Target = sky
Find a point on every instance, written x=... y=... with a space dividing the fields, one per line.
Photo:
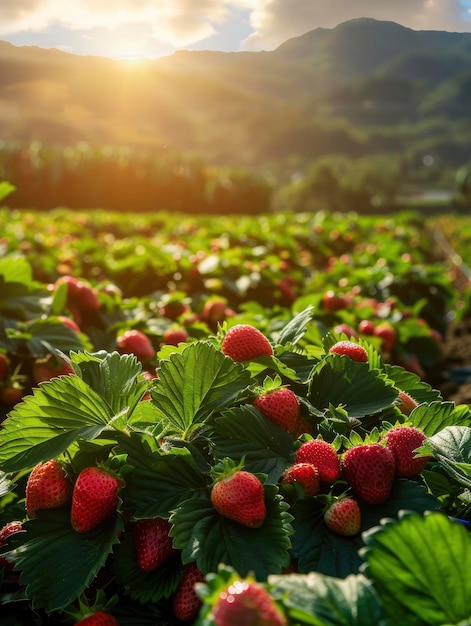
x=134 y=29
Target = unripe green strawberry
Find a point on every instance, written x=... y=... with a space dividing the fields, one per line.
x=186 y=603
x=351 y=349
x=246 y=603
x=403 y=441
x=94 y=498
x=343 y=517
x=48 y=487
x=239 y=496
x=370 y=470
x=323 y=455
x=152 y=542
x=281 y=406
x=306 y=474
x=243 y=342
x=99 y=618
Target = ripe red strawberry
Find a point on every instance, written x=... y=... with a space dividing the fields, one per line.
x=333 y=302
x=366 y=327
x=9 y=529
x=323 y=455
x=99 y=618
x=346 y=329
x=11 y=394
x=152 y=542
x=343 y=517
x=350 y=349
x=137 y=343
x=48 y=487
x=239 y=496
x=306 y=474
x=94 y=498
x=50 y=367
x=248 y=604
x=186 y=603
x=174 y=335
x=387 y=334
x=369 y=469
x=403 y=441
x=281 y=406
x=406 y=403
x=243 y=342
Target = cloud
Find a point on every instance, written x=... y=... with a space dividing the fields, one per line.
x=275 y=21
x=181 y=23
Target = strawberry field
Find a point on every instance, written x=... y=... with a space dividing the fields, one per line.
x=217 y=420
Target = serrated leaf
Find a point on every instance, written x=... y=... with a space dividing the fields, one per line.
x=413 y=384
x=160 y=482
x=243 y=432
x=47 y=336
x=193 y=384
x=209 y=539
x=145 y=586
x=296 y=327
x=420 y=569
x=432 y=418
x=360 y=390
x=451 y=447
x=326 y=601
x=57 y=564
x=44 y=424
x=319 y=549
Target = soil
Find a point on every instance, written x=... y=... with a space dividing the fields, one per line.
x=453 y=372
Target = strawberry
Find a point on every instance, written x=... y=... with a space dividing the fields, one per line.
x=366 y=327
x=99 y=618
x=243 y=342
x=350 y=349
x=9 y=529
x=346 y=329
x=306 y=474
x=369 y=469
x=238 y=495
x=281 y=406
x=175 y=335
x=50 y=367
x=246 y=603
x=343 y=517
x=47 y=488
x=386 y=332
x=403 y=441
x=152 y=542
x=323 y=455
x=406 y=403
x=137 y=343
x=186 y=603
x=94 y=498
x=333 y=302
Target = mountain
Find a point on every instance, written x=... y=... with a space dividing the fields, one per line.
x=361 y=88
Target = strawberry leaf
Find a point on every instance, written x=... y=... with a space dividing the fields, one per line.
x=420 y=569
x=160 y=482
x=296 y=327
x=44 y=424
x=326 y=601
x=145 y=586
x=451 y=448
x=51 y=546
x=413 y=384
x=244 y=432
x=341 y=381
x=208 y=538
x=193 y=384
x=432 y=418
x=46 y=336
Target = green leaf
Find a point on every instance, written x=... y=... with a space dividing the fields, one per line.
x=296 y=327
x=6 y=189
x=326 y=601
x=451 y=447
x=209 y=538
x=432 y=418
x=319 y=549
x=160 y=482
x=338 y=380
x=413 y=384
x=47 y=336
x=44 y=424
x=145 y=586
x=57 y=564
x=193 y=384
x=420 y=569
x=114 y=377
x=243 y=432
